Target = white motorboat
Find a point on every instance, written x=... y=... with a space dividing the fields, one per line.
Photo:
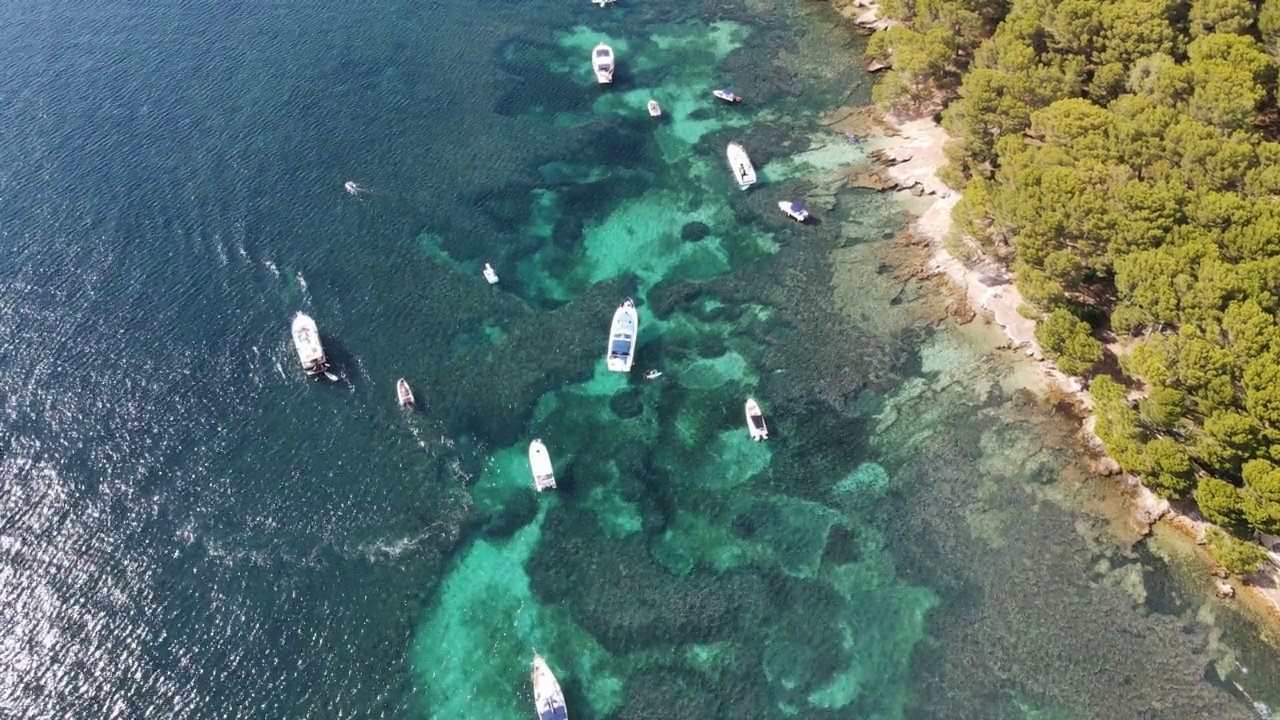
x=547 y=696
x=741 y=166
x=306 y=340
x=544 y=477
x=727 y=95
x=404 y=394
x=654 y=110
x=490 y=274
x=622 y=337
x=602 y=63
x=794 y=209
x=602 y=3
x=755 y=421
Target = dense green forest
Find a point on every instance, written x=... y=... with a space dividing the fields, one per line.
x=1121 y=157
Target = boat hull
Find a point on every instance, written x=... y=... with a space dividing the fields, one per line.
x=548 y=699
x=621 y=352
x=740 y=165
x=306 y=342
x=544 y=477
x=404 y=394
x=602 y=63
x=790 y=208
x=755 y=421
x=654 y=110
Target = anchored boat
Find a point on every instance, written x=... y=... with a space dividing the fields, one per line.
x=544 y=477
x=794 y=209
x=741 y=166
x=654 y=110
x=490 y=274
x=547 y=697
x=306 y=340
x=755 y=421
x=622 y=337
x=602 y=63
x=727 y=95
x=404 y=394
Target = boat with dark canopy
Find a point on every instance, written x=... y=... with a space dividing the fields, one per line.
x=794 y=210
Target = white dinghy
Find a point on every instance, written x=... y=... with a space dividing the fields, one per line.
x=404 y=394
x=544 y=477
x=755 y=421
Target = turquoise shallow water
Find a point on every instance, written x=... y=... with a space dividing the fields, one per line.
x=191 y=529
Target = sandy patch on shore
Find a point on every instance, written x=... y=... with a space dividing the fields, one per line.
x=912 y=150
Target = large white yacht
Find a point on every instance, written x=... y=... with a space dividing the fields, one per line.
x=544 y=477
x=547 y=697
x=622 y=337
x=306 y=340
x=741 y=166
x=602 y=63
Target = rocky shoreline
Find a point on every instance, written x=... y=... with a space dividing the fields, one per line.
x=909 y=153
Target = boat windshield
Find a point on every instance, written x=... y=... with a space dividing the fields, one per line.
x=620 y=348
x=757 y=421
x=602 y=53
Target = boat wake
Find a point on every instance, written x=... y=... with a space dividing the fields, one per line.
x=385 y=550
x=355 y=189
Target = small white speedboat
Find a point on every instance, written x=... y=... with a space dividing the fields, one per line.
x=548 y=699
x=602 y=63
x=404 y=394
x=654 y=110
x=490 y=274
x=544 y=476
x=740 y=164
x=306 y=341
x=622 y=337
x=727 y=95
x=794 y=209
x=602 y=3
x=755 y=421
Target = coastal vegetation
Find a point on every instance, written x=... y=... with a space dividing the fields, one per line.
x=1122 y=157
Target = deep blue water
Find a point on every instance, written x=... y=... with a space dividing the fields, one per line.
x=191 y=529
